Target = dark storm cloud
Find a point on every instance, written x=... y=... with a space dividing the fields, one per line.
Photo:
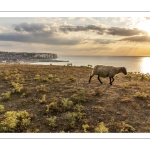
x=137 y=39
x=124 y=31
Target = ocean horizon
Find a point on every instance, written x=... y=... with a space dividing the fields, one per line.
x=132 y=63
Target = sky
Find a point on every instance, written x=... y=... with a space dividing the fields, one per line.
x=110 y=36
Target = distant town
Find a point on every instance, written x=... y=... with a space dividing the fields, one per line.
x=11 y=57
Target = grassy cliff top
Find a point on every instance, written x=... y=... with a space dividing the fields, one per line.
x=48 y=98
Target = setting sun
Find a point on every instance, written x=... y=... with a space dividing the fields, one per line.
x=145 y=65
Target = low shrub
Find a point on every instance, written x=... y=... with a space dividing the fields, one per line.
x=126 y=128
x=15 y=121
x=52 y=121
x=57 y=80
x=79 y=97
x=6 y=96
x=37 y=77
x=74 y=117
x=66 y=103
x=85 y=127
x=2 y=109
x=141 y=95
x=50 y=76
x=72 y=78
x=17 y=87
x=43 y=100
x=52 y=106
x=42 y=88
x=101 y=128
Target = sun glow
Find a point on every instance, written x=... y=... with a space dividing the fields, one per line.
x=144 y=25
x=145 y=65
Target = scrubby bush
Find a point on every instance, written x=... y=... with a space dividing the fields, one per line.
x=148 y=105
x=42 y=88
x=141 y=95
x=126 y=128
x=72 y=78
x=66 y=103
x=50 y=76
x=15 y=121
x=15 y=71
x=79 y=107
x=57 y=80
x=5 y=78
x=17 y=87
x=101 y=128
x=45 y=79
x=85 y=127
x=43 y=100
x=145 y=77
x=52 y=121
x=6 y=95
x=51 y=106
x=6 y=73
x=37 y=77
x=79 y=97
x=126 y=85
x=2 y=109
x=74 y=117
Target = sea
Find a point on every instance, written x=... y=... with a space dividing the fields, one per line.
x=136 y=64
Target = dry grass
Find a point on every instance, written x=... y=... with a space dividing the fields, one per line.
x=60 y=99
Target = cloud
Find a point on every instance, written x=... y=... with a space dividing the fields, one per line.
x=33 y=27
x=103 y=30
x=104 y=41
x=45 y=38
x=70 y=28
x=57 y=34
x=124 y=31
x=147 y=18
x=137 y=39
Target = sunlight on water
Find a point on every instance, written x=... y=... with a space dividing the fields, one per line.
x=145 y=65
x=133 y=64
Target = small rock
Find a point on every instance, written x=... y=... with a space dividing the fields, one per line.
x=118 y=113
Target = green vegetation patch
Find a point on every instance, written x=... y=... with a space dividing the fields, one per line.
x=17 y=87
x=6 y=95
x=2 y=109
x=101 y=128
x=141 y=95
x=42 y=88
x=79 y=97
x=15 y=121
x=43 y=100
x=52 y=121
x=66 y=103
x=127 y=128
